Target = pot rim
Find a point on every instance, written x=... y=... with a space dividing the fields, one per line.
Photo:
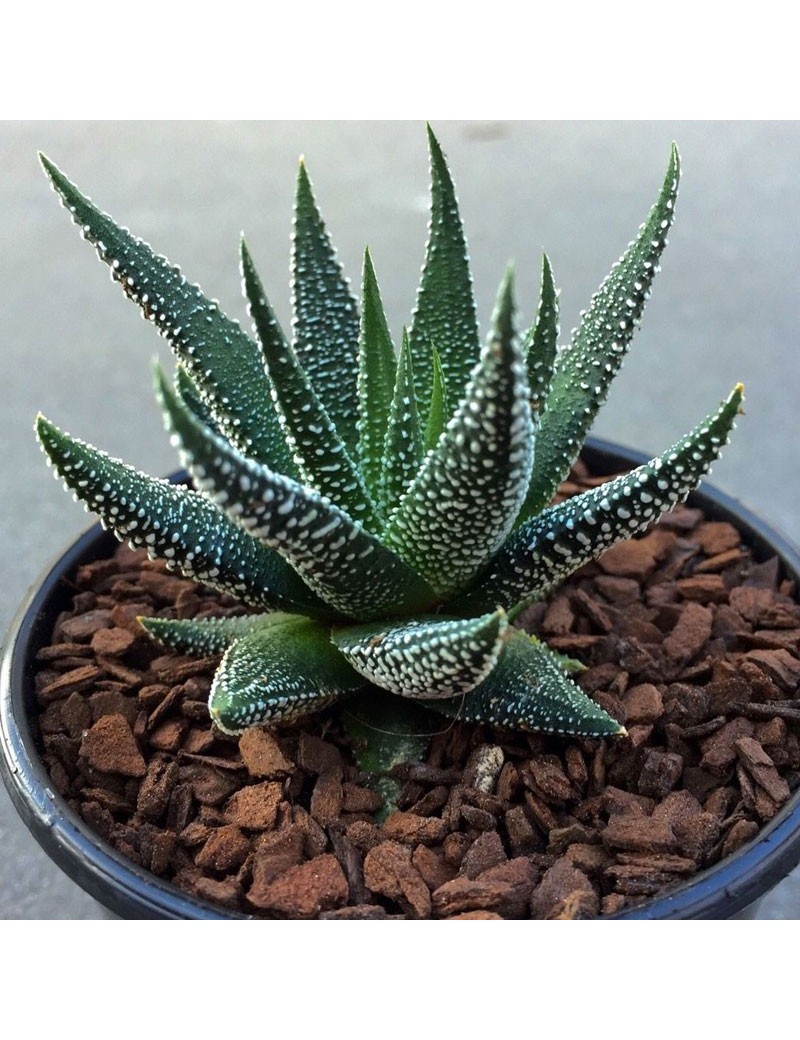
x=734 y=884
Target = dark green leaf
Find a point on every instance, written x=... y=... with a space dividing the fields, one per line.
x=326 y=322
x=348 y=567
x=584 y=371
x=528 y=690
x=191 y=397
x=320 y=454
x=541 y=342
x=208 y=635
x=376 y=380
x=444 y=316
x=225 y=364
x=440 y=407
x=178 y=525
x=545 y=550
x=278 y=673
x=403 y=446
x=463 y=502
x=426 y=657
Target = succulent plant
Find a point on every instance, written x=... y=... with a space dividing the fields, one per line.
x=385 y=512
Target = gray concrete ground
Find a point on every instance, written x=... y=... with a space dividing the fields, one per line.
x=724 y=307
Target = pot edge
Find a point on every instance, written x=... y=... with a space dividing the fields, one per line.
x=120 y=885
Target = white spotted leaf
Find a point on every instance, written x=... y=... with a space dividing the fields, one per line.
x=224 y=364
x=344 y=564
x=376 y=380
x=176 y=524
x=463 y=502
x=585 y=369
x=320 y=454
x=444 y=315
x=403 y=448
x=326 y=321
x=541 y=340
x=427 y=657
x=278 y=673
x=208 y=635
x=528 y=690
x=548 y=548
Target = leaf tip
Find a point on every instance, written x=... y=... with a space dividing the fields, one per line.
x=674 y=170
x=303 y=179
x=49 y=167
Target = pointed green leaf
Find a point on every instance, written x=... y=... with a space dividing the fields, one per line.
x=504 y=315
x=348 y=567
x=208 y=635
x=541 y=342
x=426 y=657
x=376 y=380
x=461 y=506
x=403 y=445
x=191 y=397
x=440 y=406
x=548 y=548
x=444 y=315
x=278 y=673
x=320 y=454
x=584 y=370
x=178 y=525
x=326 y=322
x=528 y=690
x=223 y=362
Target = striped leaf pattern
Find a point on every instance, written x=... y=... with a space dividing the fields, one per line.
x=584 y=371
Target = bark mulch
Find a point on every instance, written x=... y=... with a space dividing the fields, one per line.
x=688 y=642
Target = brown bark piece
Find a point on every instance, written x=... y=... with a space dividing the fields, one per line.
x=432 y=867
x=76 y=679
x=305 y=890
x=762 y=769
x=225 y=849
x=75 y=714
x=643 y=703
x=566 y=893
x=255 y=807
x=634 y=559
x=690 y=635
x=390 y=872
x=356 y=799
x=412 y=830
x=262 y=755
x=111 y=747
x=661 y=771
x=485 y=852
x=275 y=852
x=81 y=628
x=156 y=789
x=506 y=895
x=639 y=834
x=315 y=755
x=112 y=641
x=716 y=536
x=327 y=797
x=781 y=666
x=751 y=602
x=719 y=750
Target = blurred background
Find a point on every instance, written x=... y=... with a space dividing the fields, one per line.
x=724 y=308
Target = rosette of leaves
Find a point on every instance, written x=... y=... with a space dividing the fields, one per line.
x=383 y=509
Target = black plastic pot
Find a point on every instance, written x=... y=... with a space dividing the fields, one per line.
x=732 y=888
